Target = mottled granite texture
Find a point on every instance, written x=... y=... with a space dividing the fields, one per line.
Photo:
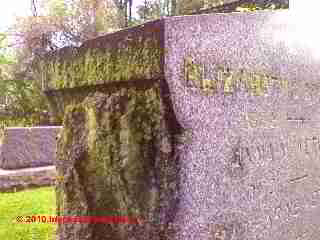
x=28 y=147
x=246 y=165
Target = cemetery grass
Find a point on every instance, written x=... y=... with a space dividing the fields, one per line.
x=39 y=202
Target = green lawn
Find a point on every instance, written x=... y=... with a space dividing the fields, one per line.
x=40 y=201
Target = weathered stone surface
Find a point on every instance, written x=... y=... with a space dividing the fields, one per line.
x=246 y=165
x=16 y=180
x=28 y=147
x=131 y=54
x=116 y=156
x=1 y=139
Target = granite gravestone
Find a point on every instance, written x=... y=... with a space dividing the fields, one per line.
x=250 y=99
x=247 y=97
x=26 y=147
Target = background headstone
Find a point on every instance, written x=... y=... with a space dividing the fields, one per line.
x=28 y=147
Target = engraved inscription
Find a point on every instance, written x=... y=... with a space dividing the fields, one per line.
x=310 y=146
x=218 y=77
x=283 y=212
x=220 y=232
x=228 y=227
x=315 y=198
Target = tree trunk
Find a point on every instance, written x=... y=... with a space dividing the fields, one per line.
x=173 y=7
x=95 y=13
x=130 y=11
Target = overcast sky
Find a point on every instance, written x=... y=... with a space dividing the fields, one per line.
x=12 y=8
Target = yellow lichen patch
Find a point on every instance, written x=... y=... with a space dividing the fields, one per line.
x=100 y=66
x=92 y=127
x=200 y=75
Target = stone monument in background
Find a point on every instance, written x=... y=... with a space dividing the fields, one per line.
x=25 y=147
x=27 y=157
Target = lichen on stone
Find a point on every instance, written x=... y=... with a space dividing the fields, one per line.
x=137 y=60
x=117 y=149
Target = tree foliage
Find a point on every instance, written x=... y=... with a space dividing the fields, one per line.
x=152 y=9
x=21 y=101
x=53 y=24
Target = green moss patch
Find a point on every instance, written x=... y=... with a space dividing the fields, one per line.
x=139 y=59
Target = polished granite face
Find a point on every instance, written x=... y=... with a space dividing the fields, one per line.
x=248 y=93
x=245 y=86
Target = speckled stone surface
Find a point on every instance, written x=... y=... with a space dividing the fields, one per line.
x=249 y=156
x=251 y=166
x=28 y=147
